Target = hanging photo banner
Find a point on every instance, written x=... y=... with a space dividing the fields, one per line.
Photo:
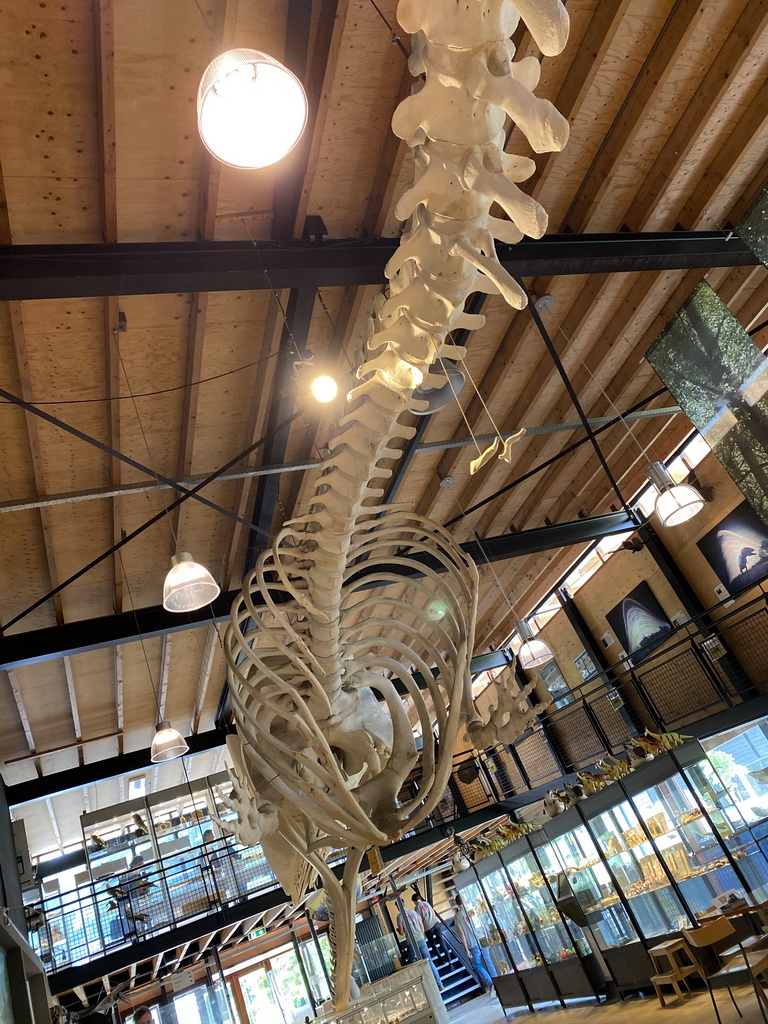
x=754 y=227
x=719 y=377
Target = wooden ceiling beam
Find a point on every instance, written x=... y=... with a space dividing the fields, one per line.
x=206 y=666
x=54 y=824
x=597 y=41
x=639 y=103
x=730 y=156
x=737 y=48
x=13 y=682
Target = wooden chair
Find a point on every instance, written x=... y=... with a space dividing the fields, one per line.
x=670 y=970
x=716 y=933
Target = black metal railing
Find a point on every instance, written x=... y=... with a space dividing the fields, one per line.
x=107 y=913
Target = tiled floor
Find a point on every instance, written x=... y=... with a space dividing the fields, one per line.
x=697 y=1009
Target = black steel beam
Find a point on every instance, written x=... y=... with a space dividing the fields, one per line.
x=295 y=336
x=137 y=268
x=99 y=771
x=19 y=649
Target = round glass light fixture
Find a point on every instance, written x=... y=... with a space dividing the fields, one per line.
x=533 y=652
x=324 y=388
x=251 y=110
x=167 y=743
x=675 y=503
x=188 y=585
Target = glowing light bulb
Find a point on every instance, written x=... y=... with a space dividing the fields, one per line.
x=251 y=111
x=324 y=388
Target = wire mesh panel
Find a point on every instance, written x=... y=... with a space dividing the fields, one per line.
x=748 y=640
x=469 y=784
x=503 y=772
x=537 y=759
x=577 y=738
x=611 y=721
x=680 y=688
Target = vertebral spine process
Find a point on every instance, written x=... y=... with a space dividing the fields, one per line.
x=321 y=671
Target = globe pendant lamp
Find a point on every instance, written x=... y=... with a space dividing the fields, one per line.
x=675 y=503
x=167 y=743
x=533 y=652
x=188 y=585
x=251 y=111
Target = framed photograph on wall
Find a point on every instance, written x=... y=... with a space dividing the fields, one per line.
x=737 y=549
x=555 y=682
x=585 y=665
x=639 y=621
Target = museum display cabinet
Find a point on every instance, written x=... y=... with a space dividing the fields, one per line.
x=538 y=954
x=595 y=887
x=409 y=996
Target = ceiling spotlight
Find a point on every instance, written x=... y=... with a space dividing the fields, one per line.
x=675 y=503
x=167 y=743
x=188 y=585
x=251 y=111
x=533 y=652
x=324 y=389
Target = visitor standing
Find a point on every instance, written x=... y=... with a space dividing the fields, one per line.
x=433 y=927
x=481 y=963
x=410 y=927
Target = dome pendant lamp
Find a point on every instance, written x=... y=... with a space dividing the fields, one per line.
x=251 y=111
x=675 y=503
x=167 y=744
x=188 y=585
x=533 y=652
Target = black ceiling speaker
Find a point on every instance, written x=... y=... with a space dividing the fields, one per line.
x=438 y=398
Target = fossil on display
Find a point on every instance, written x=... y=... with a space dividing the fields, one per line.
x=317 y=671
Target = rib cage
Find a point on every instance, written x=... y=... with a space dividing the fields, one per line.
x=323 y=736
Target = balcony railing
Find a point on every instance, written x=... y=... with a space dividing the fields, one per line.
x=103 y=915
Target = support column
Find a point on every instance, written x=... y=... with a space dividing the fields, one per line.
x=596 y=653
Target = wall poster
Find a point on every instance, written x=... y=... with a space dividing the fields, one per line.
x=719 y=377
x=639 y=621
x=737 y=549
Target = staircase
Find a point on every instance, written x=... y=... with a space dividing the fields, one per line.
x=459 y=984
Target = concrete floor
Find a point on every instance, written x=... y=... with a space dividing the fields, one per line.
x=697 y=1009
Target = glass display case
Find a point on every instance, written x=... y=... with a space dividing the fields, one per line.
x=554 y=941
x=688 y=845
x=585 y=893
x=639 y=875
x=537 y=954
x=410 y=995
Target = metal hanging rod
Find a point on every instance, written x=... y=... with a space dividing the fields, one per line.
x=72 y=497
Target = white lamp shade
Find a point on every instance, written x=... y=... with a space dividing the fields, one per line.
x=678 y=504
x=533 y=653
x=251 y=111
x=167 y=743
x=188 y=585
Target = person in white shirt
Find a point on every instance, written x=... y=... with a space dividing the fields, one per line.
x=409 y=925
x=433 y=927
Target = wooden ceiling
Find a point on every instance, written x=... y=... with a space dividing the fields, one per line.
x=668 y=105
